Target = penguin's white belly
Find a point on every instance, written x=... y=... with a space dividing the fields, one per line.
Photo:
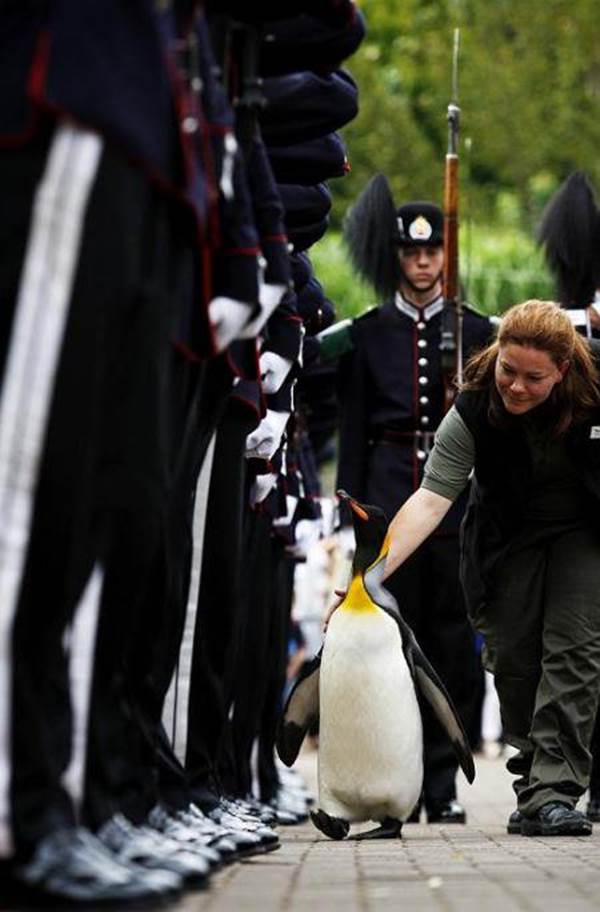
x=370 y=738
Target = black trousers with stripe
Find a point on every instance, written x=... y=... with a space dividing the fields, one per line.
x=121 y=772
x=199 y=396
x=91 y=466
x=221 y=603
x=279 y=632
x=260 y=672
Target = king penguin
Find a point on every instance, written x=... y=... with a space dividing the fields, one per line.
x=363 y=688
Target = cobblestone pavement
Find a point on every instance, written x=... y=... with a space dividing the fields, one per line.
x=474 y=867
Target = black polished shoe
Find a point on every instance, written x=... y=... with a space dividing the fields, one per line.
x=446 y=812
x=514 y=823
x=592 y=811
x=556 y=819
x=72 y=865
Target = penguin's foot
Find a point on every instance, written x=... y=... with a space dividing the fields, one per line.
x=334 y=827
x=390 y=829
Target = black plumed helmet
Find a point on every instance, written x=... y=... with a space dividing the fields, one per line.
x=570 y=235
x=375 y=228
x=420 y=224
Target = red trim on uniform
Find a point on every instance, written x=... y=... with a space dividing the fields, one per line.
x=415 y=405
x=248 y=376
x=240 y=251
x=213 y=184
x=207 y=268
x=186 y=352
x=275 y=237
x=38 y=74
x=232 y=365
x=219 y=129
x=186 y=106
x=247 y=402
x=179 y=97
x=37 y=92
x=164 y=186
x=16 y=140
x=36 y=83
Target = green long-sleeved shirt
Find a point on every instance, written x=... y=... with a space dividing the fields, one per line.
x=451 y=460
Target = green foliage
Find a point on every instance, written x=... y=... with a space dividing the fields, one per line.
x=529 y=94
x=346 y=291
x=500 y=267
x=529 y=90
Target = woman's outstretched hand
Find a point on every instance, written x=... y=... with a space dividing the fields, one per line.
x=341 y=595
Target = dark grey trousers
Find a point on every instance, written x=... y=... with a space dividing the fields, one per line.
x=542 y=632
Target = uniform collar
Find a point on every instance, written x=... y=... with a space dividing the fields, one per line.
x=418 y=313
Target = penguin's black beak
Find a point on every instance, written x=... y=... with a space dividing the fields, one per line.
x=353 y=504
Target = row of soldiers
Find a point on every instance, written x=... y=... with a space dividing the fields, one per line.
x=162 y=168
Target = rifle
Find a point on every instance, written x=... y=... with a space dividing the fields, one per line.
x=451 y=343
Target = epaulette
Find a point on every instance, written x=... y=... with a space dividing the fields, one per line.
x=368 y=313
x=338 y=340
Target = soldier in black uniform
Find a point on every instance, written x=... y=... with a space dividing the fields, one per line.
x=392 y=400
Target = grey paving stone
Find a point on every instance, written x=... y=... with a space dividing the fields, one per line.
x=464 y=868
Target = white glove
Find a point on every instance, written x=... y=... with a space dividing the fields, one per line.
x=308 y=532
x=291 y=503
x=262 y=487
x=273 y=371
x=269 y=297
x=227 y=317
x=264 y=440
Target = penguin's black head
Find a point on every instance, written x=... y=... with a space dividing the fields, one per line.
x=370 y=527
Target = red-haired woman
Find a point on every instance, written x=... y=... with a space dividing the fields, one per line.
x=526 y=424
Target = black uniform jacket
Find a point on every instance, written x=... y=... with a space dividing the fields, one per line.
x=391 y=392
x=502 y=485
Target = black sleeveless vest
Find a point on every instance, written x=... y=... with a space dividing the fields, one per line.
x=502 y=485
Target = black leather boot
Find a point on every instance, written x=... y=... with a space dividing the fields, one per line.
x=514 y=823
x=556 y=819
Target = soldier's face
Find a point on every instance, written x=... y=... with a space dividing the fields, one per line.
x=422 y=265
x=525 y=376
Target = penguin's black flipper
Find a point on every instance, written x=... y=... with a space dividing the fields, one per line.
x=300 y=712
x=427 y=680
x=433 y=690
